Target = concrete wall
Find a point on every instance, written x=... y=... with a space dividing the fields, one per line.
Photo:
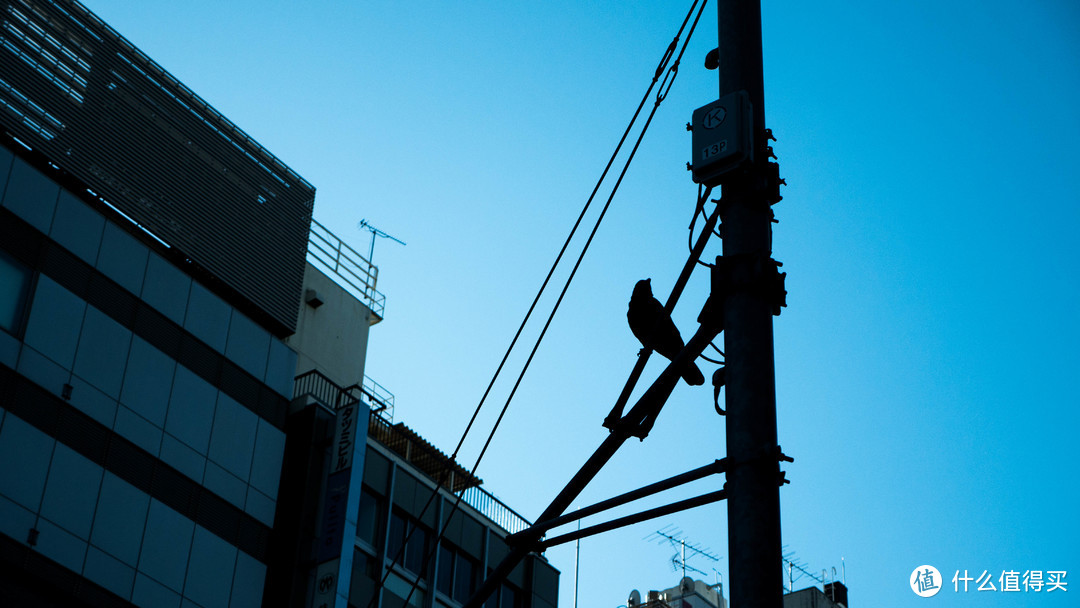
x=333 y=337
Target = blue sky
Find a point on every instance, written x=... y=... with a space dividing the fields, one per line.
x=926 y=362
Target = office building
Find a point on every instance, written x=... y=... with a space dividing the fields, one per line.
x=167 y=344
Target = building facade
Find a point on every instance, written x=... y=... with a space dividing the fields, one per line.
x=141 y=414
x=184 y=416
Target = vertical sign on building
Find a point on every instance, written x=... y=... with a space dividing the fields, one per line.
x=340 y=507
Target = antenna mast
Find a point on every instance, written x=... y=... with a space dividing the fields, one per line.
x=375 y=232
x=677 y=540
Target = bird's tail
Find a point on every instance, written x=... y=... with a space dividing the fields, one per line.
x=693 y=376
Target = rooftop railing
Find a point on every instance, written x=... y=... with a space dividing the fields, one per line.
x=375 y=395
x=494 y=509
x=324 y=390
x=413 y=448
x=356 y=273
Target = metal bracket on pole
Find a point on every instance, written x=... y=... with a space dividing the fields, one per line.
x=533 y=533
x=764 y=457
x=747 y=272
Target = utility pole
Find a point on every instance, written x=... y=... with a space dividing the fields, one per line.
x=756 y=575
x=731 y=150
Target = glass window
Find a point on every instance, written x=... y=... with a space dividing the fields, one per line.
x=41 y=370
x=55 y=321
x=362 y=579
x=77 y=227
x=248 y=344
x=120 y=519
x=31 y=195
x=15 y=521
x=210 y=570
x=166 y=288
x=9 y=349
x=72 y=491
x=444 y=580
x=148 y=381
x=191 y=409
x=266 y=464
x=233 y=437
x=182 y=458
x=248 y=582
x=103 y=351
x=508 y=597
x=5 y=168
x=207 y=317
x=60 y=546
x=14 y=288
x=260 y=506
x=138 y=430
x=151 y=594
x=165 y=548
x=281 y=368
x=109 y=573
x=93 y=402
x=224 y=484
x=411 y=547
x=122 y=258
x=367 y=523
x=25 y=452
x=402 y=588
x=464 y=578
x=457 y=573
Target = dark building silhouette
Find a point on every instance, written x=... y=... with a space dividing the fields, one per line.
x=184 y=416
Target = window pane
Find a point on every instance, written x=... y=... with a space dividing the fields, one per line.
x=54 y=321
x=210 y=570
x=509 y=597
x=445 y=575
x=464 y=578
x=31 y=195
x=416 y=551
x=14 y=286
x=367 y=523
x=396 y=538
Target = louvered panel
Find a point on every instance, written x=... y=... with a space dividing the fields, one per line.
x=74 y=89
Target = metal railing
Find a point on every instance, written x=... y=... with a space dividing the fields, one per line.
x=494 y=509
x=412 y=447
x=324 y=390
x=380 y=400
x=357 y=273
x=435 y=464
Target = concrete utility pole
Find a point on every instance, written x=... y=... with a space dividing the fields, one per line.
x=752 y=478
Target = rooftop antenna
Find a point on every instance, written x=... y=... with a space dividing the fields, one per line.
x=677 y=539
x=796 y=569
x=364 y=225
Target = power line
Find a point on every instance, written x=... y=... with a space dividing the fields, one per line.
x=669 y=74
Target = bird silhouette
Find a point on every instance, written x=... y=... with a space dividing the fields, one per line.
x=653 y=327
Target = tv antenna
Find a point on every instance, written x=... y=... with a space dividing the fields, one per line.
x=792 y=564
x=675 y=537
x=375 y=232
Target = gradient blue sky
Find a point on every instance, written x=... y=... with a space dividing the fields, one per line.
x=926 y=365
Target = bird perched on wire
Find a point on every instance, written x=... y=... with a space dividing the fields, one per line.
x=653 y=327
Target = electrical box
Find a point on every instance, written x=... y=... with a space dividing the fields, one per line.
x=722 y=138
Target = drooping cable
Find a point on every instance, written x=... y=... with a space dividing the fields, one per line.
x=669 y=77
